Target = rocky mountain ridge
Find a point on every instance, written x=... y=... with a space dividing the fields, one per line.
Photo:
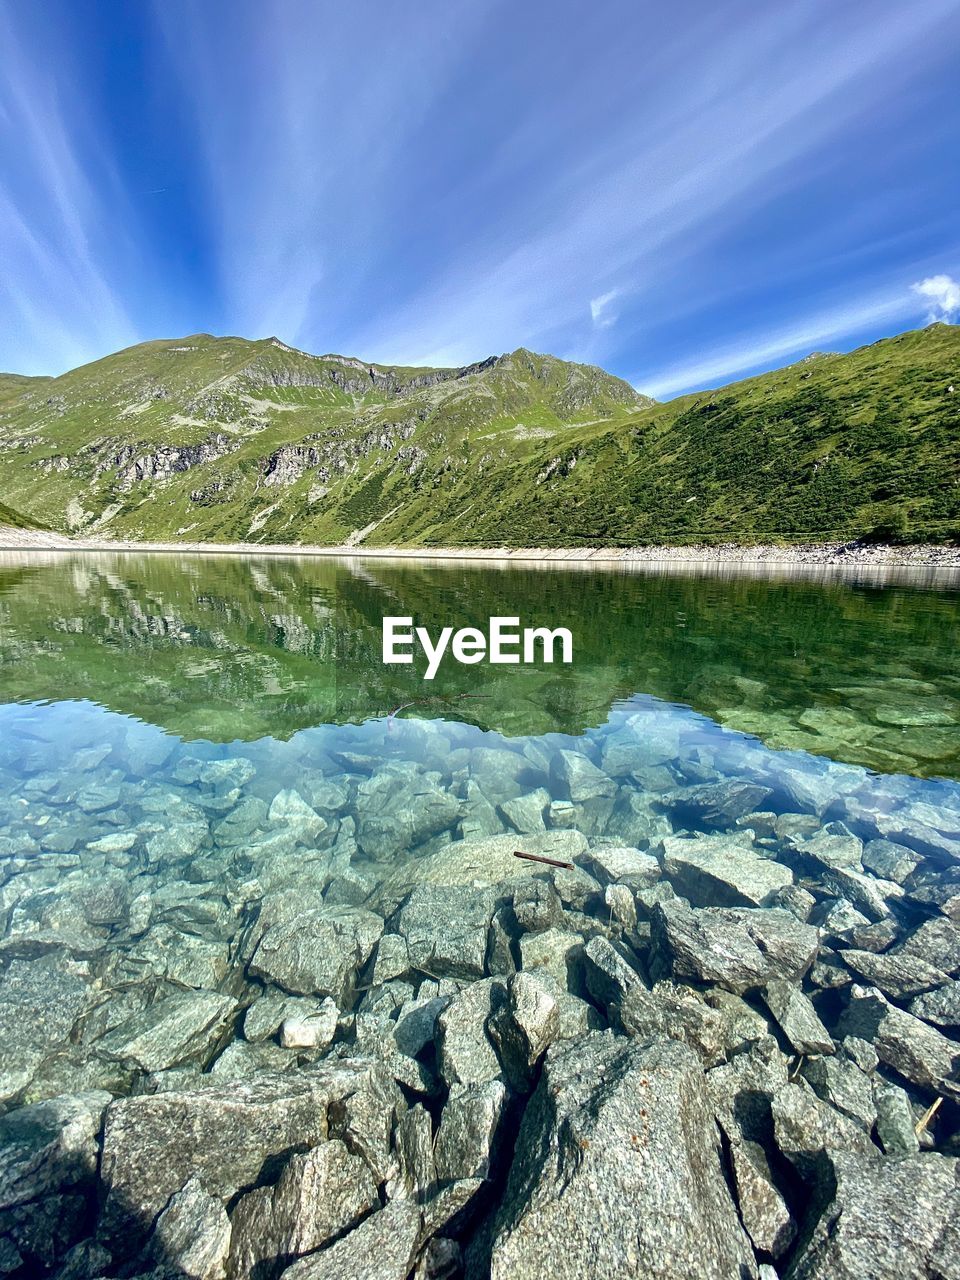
x=221 y=439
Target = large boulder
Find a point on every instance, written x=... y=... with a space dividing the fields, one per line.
x=446 y=929
x=722 y=871
x=735 y=948
x=886 y=1220
x=618 y=1172
x=318 y=952
x=225 y=1135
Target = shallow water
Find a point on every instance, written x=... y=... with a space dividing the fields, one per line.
x=202 y=759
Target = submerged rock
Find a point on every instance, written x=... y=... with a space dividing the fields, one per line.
x=223 y=1135
x=917 y=1051
x=887 y=1219
x=318 y=952
x=737 y=949
x=318 y=1195
x=446 y=929
x=382 y=1247
x=618 y=1172
x=184 y=1027
x=797 y=1018
x=722 y=871
x=192 y=1235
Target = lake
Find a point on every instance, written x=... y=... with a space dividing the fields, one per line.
x=235 y=847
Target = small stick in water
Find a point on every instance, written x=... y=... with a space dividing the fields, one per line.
x=550 y=862
x=927 y=1116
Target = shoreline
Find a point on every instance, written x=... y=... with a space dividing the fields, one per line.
x=825 y=554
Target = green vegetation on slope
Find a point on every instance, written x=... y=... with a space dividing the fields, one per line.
x=221 y=439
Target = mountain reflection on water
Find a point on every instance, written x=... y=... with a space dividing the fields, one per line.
x=856 y=668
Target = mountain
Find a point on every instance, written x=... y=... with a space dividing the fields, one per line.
x=225 y=439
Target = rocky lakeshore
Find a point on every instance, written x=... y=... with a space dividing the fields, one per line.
x=859 y=555
x=322 y=1022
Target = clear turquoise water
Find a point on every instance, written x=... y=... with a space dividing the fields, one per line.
x=183 y=740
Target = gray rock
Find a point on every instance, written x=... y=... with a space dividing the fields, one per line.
x=166 y=952
x=239 y=1061
x=382 y=1247
x=49 y=1147
x=797 y=1018
x=262 y=1020
x=844 y=1085
x=890 y=861
x=897 y=974
x=392 y=959
x=862 y=1053
x=398 y=809
x=722 y=871
x=941 y=1007
x=867 y=893
x=290 y=810
x=318 y=1195
x=887 y=1220
x=310 y=1031
x=831 y=849
x=674 y=1012
x=446 y=929
x=416 y=1023
x=224 y=1135
x=414 y=1142
x=578 y=778
x=40 y=1003
x=525 y=813
x=764 y=1212
x=608 y=973
x=556 y=952
x=524 y=1028
x=622 y=865
x=805 y=1126
x=318 y=952
x=937 y=942
x=466 y=1139
x=741 y=1091
x=716 y=806
x=918 y=1052
x=623 y=908
x=895 y=1121
x=192 y=1235
x=536 y=905
x=741 y=1025
x=737 y=949
x=617 y=1172
x=182 y=1028
x=466 y=1052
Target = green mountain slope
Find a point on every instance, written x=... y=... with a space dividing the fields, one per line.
x=223 y=439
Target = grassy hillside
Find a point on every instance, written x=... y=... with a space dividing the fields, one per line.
x=225 y=439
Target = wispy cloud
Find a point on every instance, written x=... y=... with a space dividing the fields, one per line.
x=601 y=314
x=58 y=304
x=438 y=182
x=942 y=293
x=755 y=352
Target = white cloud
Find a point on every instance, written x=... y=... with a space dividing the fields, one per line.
x=753 y=353
x=600 y=311
x=942 y=292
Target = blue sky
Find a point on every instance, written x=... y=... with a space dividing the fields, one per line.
x=683 y=193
